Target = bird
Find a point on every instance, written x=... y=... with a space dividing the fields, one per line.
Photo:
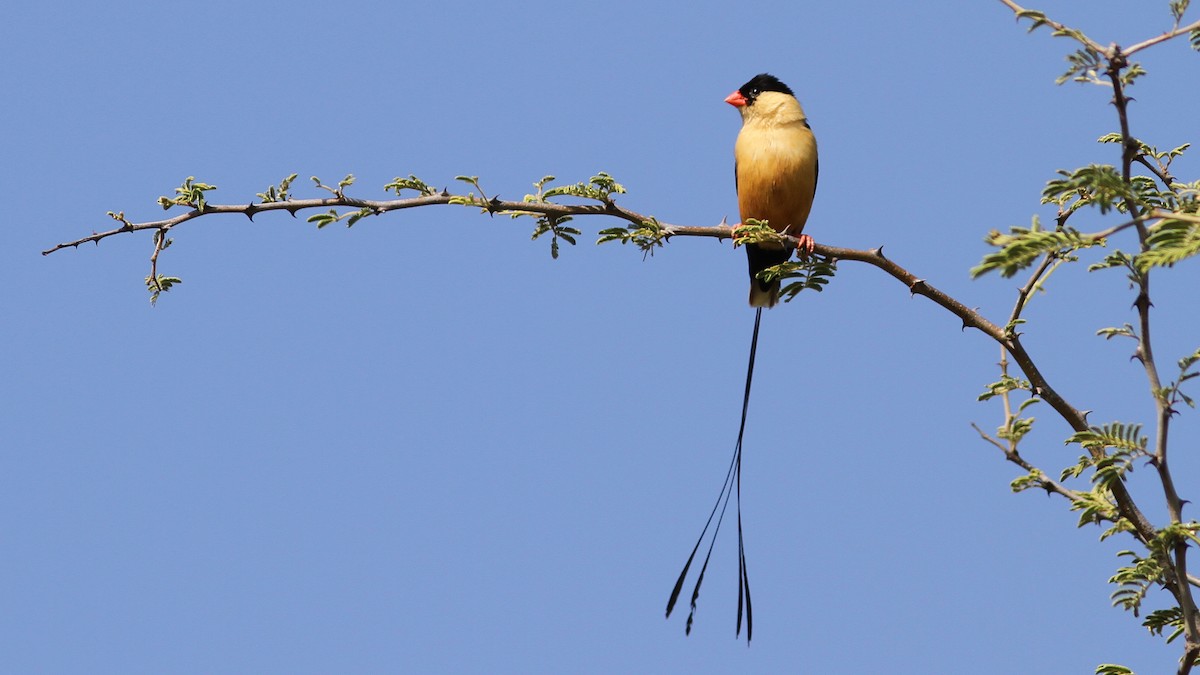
x=775 y=174
x=775 y=170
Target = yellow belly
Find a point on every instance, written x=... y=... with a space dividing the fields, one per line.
x=776 y=175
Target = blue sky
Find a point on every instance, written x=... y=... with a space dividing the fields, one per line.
x=421 y=445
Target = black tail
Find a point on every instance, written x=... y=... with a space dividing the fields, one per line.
x=762 y=293
x=732 y=484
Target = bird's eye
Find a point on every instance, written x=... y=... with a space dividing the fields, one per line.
x=753 y=93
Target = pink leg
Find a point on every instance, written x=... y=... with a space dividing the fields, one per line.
x=805 y=246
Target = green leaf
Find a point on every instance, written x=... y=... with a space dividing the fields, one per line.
x=1169 y=242
x=754 y=231
x=1100 y=185
x=1076 y=470
x=358 y=215
x=1188 y=361
x=190 y=193
x=1159 y=620
x=1123 y=331
x=1178 y=7
x=1036 y=18
x=1003 y=386
x=1132 y=73
x=1134 y=580
x=278 y=194
x=647 y=237
x=1121 y=525
x=1126 y=437
x=1084 y=64
x=557 y=231
x=600 y=187
x=541 y=186
x=1094 y=506
x=1016 y=429
x=160 y=284
x=1034 y=479
x=399 y=184
x=323 y=219
x=1146 y=193
x=336 y=191
x=808 y=274
x=1022 y=247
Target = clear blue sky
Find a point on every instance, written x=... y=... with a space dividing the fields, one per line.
x=421 y=445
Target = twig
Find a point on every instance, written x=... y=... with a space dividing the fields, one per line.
x=1162 y=38
x=1047 y=266
x=1159 y=171
x=1059 y=28
x=1011 y=455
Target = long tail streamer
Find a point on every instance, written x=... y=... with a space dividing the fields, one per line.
x=732 y=484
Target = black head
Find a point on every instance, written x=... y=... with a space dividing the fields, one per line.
x=760 y=83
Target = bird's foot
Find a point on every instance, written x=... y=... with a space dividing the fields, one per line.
x=805 y=246
x=733 y=233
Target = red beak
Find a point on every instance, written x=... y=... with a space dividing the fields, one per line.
x=736 y=99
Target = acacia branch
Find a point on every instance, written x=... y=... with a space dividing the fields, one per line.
x=1176 y=573
x=377 y=207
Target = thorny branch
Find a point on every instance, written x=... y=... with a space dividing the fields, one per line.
x=1174 y=564
x=1176 y=569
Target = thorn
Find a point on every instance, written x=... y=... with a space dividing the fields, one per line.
x=445 y=192
x=918 y=286
x=878 y=252
x=292 y=210
x=250 y=211
x=1085 y=414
